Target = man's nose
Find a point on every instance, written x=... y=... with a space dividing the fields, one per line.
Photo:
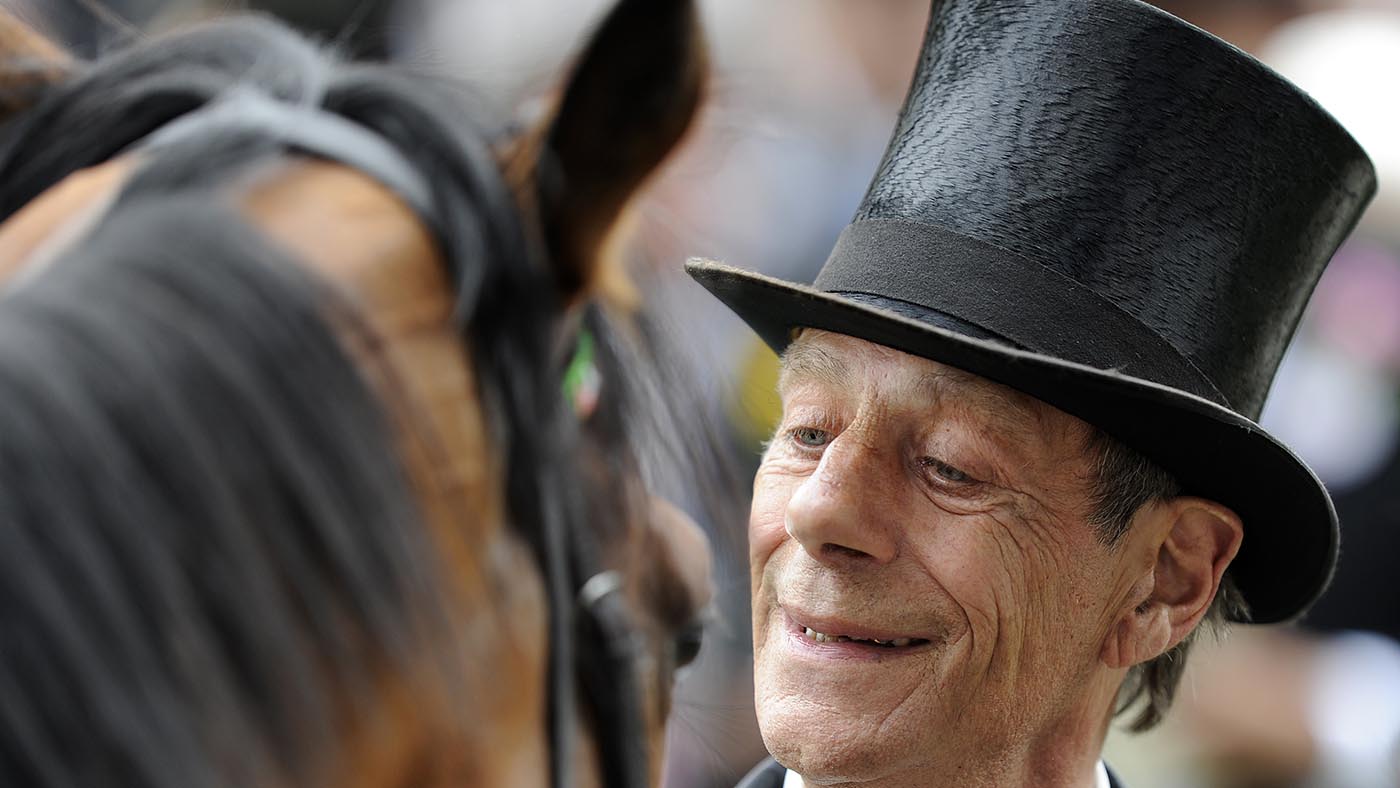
x=840 y=513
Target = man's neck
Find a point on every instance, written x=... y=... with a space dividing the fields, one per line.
x=1066 y=755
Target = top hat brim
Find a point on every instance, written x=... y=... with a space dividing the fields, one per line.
x=1213 y=452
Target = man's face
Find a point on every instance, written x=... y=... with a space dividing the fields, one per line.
x=906 y=502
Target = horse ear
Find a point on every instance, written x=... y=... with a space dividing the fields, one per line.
x=29 y=65
x=628 y=102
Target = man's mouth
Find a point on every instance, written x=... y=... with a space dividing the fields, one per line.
x=822 y=637
x=835 y=635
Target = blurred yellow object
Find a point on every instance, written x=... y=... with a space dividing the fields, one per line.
x=756 y=409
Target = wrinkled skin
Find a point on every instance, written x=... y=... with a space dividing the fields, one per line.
x=903 y=499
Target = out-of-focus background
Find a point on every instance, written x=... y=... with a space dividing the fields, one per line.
x=804 y=95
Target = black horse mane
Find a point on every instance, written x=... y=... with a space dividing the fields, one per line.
x=173 y=314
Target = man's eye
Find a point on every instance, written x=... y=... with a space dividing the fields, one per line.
x=810 y=437
x=945 y=471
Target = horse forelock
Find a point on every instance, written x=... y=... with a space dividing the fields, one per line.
x=259 y=461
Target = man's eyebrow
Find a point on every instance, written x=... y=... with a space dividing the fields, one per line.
x=805 y=361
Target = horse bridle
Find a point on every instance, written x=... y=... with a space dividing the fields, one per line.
x=596 y=602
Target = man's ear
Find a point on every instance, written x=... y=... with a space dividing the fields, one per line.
x=1189 y=541
x=631 y=97
x=29 y=65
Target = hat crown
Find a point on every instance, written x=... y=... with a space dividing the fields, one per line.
x=1174 y=176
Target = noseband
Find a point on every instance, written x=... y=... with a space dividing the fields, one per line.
x=592 y=606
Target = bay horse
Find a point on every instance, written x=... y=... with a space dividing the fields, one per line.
x=319 y=460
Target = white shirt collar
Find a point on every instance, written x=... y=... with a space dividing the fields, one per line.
x=1101 y=776
x=794 y=780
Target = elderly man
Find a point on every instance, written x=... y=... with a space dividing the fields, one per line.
x=1017 y=466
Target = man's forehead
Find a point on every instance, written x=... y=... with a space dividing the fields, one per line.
x=838 y=360
x=844 y=363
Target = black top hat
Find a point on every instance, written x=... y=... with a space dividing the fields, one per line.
x=1100 y=205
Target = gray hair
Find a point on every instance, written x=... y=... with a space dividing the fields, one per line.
x=1125 y=481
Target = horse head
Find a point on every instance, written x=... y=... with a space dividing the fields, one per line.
x=319 y=457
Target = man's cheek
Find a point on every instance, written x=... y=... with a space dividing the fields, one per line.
x=767 y=529
x=984 y=581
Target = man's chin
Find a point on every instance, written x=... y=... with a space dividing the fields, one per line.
x=831 y=739
x=827 y=761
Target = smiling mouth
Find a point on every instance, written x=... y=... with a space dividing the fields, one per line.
x=822 y=637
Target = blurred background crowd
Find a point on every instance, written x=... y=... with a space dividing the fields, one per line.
x=803 y=98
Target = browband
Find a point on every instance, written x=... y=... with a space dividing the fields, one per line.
x=308 y=129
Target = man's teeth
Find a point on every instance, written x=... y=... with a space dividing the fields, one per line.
x=823 y=638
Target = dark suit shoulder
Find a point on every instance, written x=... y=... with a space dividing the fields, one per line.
x=768 y=774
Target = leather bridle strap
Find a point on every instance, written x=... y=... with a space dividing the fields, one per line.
x=307 y=129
